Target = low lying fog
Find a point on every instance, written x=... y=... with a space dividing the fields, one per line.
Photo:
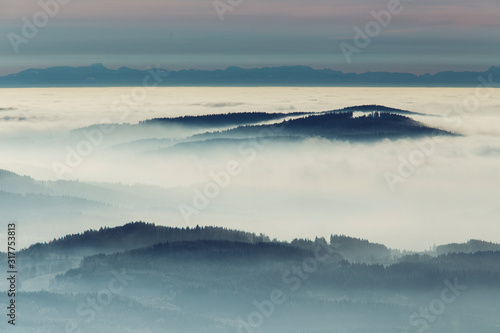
x=407 y=194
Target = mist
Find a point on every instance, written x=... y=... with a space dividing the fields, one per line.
x=312 y=187
x=238 y=224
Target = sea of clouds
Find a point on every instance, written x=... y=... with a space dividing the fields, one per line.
x=407 y=194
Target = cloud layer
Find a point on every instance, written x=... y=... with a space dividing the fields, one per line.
x=297 y=189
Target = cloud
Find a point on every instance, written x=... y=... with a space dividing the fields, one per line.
x=223 y=104
x=8 y=118
x=298 y=189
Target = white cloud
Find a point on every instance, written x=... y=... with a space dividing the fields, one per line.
x=314 y=187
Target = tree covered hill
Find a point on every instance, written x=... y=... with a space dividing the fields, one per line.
x=333 y=125
x=247 y=118
x=471 y=246
x=222 y=119
x=140 y=235
x=204 y=279
x=137 y=235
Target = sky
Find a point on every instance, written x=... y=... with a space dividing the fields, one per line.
x=423 y=36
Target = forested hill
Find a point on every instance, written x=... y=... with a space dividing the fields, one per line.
x=248 y=118
x=334 y=125
x=221 y=120
x=374 y=108
x=141 y=235
x=136 y=235
x=471 y=246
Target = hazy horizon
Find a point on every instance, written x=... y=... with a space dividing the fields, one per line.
x=410 y=36
x=175 y=66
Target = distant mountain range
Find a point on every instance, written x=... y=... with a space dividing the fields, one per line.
x=98 y=75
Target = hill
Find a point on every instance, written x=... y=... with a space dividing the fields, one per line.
x=471 y=246
x=136 y=235
x=186 y=282
x=333 y=125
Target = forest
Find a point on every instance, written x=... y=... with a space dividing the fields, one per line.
x=141 y=277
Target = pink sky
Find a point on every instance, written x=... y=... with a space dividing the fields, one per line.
x=105 y=30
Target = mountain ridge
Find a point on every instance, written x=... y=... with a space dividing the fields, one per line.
x=141 y=235
x=98 y=75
